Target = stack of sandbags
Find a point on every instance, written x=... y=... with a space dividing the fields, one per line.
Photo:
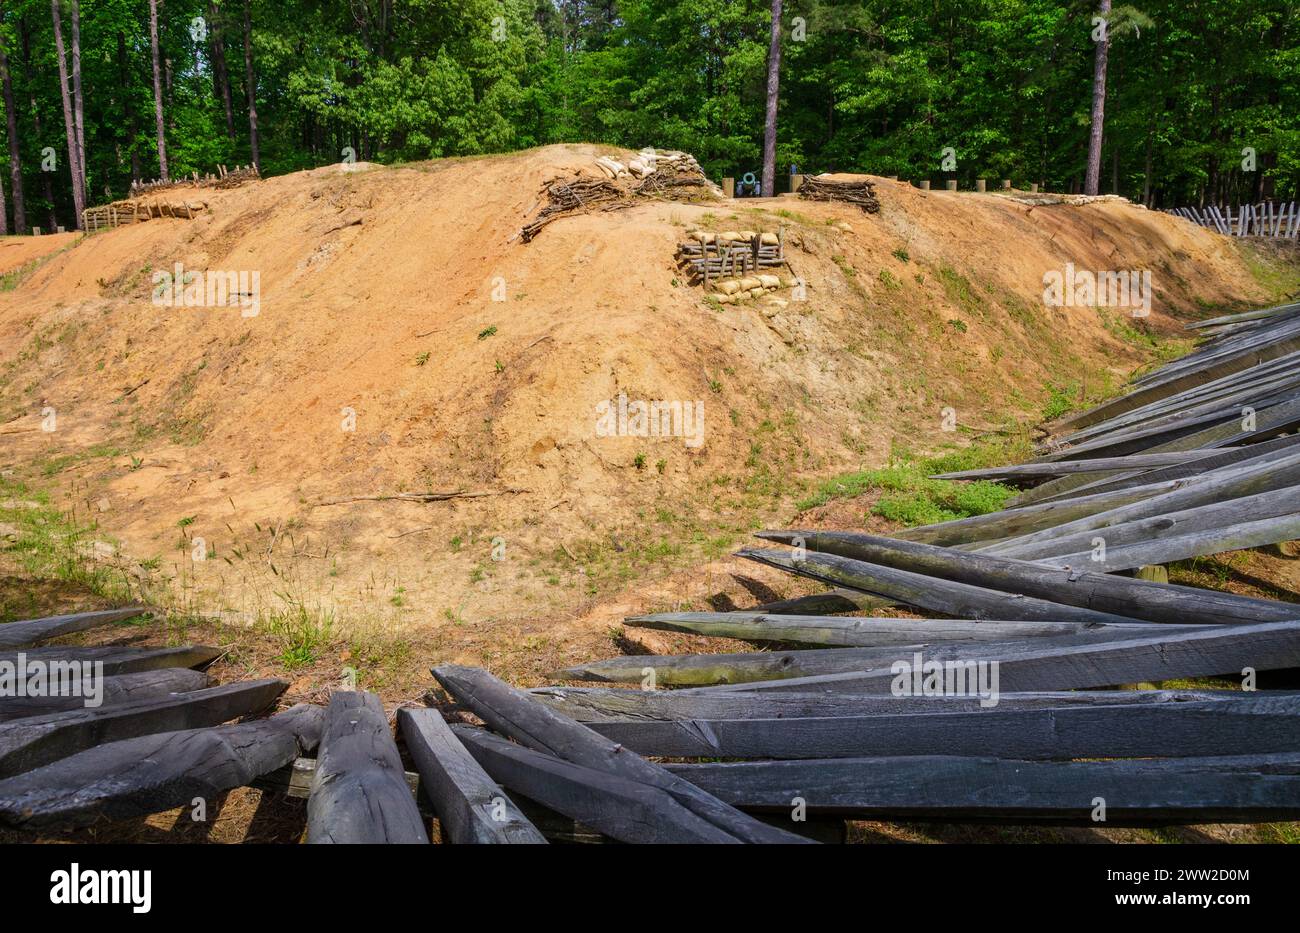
x=659 y=171
x=612 y=168
x=682 y=160
x=733 y=236
x=752 y=286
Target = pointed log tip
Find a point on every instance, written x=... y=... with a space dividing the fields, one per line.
x=785 y=536
x=454 y=678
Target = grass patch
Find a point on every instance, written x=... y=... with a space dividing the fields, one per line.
x=51 y=544
x=1163 y=349
x=961 y=292
x=15 y=277
x=298 y=632
x=1060 y=399
x=908 y=494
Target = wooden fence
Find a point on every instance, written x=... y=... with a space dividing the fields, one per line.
x=1267 y=219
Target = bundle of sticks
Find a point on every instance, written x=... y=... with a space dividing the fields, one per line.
x=571 y=195
x=862 y=193
x=219 y=179
x=237 y=177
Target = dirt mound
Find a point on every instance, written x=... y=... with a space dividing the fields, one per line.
x=402 y=340
x=18 y=251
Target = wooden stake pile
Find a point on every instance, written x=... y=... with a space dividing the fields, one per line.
x=575 y=195
x=861 y=193
x=220 y=179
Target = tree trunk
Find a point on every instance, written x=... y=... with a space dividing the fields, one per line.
x=69 y=124
x=15 y=155
x=220 y=74
x=157 y=91
x=1148 y=163
x=773 y=94
x=47 y=189
x=127 y=110
x=251 y=85
x=1098 y=102
x=78 y=108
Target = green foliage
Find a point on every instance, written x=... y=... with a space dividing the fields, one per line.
x=1060 y=399
x=872 y=86
x=908 y=495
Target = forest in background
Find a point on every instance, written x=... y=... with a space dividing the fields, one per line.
x=880 y=87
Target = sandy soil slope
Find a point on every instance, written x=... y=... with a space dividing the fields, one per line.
x=380 y=362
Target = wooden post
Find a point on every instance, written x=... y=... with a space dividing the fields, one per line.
x=952 y=184
x=925 y=184
x=729 y=187
x=1034 y=188
x=1006 y=184
x=796 y=182
x=979 y=185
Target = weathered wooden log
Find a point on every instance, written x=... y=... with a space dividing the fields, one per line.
x=1150 y=730
x=1203 y=652
x=1033 y=471
x=1192 y=373
x=1198 y=519
x=691 y=670
x=1117 y=596
x=518 y=716
x=1194 y=544
x=137 y=777
x=615 y=806
x=471 y=807
x=359 y=793
x=1238 y=387
x=1010 y=523
x=1247 y=388
x=1228 y=789
x=28 y=632
x=962 y=600
x=296 y=779
x=1250 y=387
x=30 y=743
x=124 y=688
x=1276 y=414
x=602 y=704
x=1269 y=471
x=1047 y=493
x=852 y=631
x=1234 y=483
x=828 y=601
x=114 y=659
x=1275 y=312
